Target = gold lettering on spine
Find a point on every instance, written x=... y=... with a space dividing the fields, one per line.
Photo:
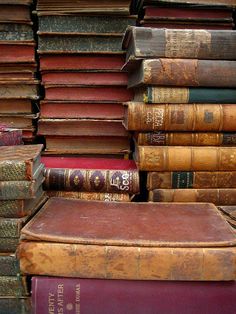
x=154 y=118
x=170 y=95
x=186 y=44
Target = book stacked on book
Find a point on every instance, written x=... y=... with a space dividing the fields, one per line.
x=166 y=14
x=18 y=86
x=80 y=62
x=21 y=195
x=91 y=178
x=184 y=113
x=130 y=252
x=10 y=137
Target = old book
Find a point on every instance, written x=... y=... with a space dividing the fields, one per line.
x=228 y=3
x=70 y=24
x=10 y=137
x=179 y=117
x=131 y=296
x=186 y=25
x=92 y=145
x=229 y=210
x=79 y=43
x=13 y=286
x=9 y=265
x=84 y=78
x=201 y=246
x=191 y=179
x=15 y=305
x=22 y=89
x=15 y=106
x=184 y=72
x=92 y=196
x=215 y=196
x=23 y=207
x=185 y=158
x=87 y=93
x=16 y=31
x=92 y=175
x=183 y=95
x=13 y=190
x=17 y=52
x=19 y=163
x=16 y=13
x=144 y=42
x=162 y=138
x=21 y=121
x=111 y=62
x=81 y=110
x=81 y=127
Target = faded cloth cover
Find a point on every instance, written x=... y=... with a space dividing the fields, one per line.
x=128 y=241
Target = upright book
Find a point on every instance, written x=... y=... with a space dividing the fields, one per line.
x=129 y=240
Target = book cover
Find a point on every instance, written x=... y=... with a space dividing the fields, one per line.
x=10 y=137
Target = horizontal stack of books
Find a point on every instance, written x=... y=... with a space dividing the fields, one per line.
x=184 y=113
x=80 y=62
x=21 y=195
x=18 y=86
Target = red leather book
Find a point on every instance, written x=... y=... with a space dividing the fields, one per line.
x=21 y=52
x=81 y=62
x=10 y=137
x=74 y=295
x=117 y=93
x=85 y=78
x=65 y=109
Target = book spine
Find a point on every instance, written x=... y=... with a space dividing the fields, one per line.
x=9 y=265
x=179 y=117
x=160 y=138
x=11 y=208
x=17 y=53
x=185 y=72
x=15 y=170
x=134 y=263
x=191 y=179
x=10 y=227
x=184 y=95
x=13 y=286
x=10 y=138
x=107 y=197
x=12 y=190
x=216 y=196
x=8 y=245
x=22 y=91
x=15 y=305
x=103 y=296
x=86 y=180
x=183 y=158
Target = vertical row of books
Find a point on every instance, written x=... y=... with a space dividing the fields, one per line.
x=80 y=57
x=18 y=86
x=21 y=195
x=184 y=111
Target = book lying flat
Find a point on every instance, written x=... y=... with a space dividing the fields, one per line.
x=110 y=240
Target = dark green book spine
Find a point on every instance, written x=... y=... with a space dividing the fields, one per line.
x=15 y=306
x=9 y=265
x=84 y=24
x=16 y=32
x=212 y=95
x=10 y=227
x=79 y=44
x=13 y=286
x=8 y=245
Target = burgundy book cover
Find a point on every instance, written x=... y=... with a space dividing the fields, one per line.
x=186 y=13
x=87 y=296
x=10 y=137
x=81 y=62
x=117 y=93
x=82 y=110
x=219 y=26
x=85 y=78
x=12 y=52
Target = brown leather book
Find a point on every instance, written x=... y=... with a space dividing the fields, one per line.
x=185 y=158
x=184 y=72
x=215 y=196
x=179 y=117
x=128 y=241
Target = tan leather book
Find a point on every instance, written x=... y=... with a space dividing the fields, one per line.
x=128 y=241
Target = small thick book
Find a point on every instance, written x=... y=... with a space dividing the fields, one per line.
x=15 y=305
x=19 y=89
x=90 y=175
x=15 y=32
x=184 y=72
x=10 y=137
x=13 y=286
x=19 y=52
x=9 y=265
x=13 y=106
x=145 y=42
x=74 y=295
x=20 y=162
x=110 y=240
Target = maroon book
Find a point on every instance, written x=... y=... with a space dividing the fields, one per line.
x=87 y=296
x=21 y=52
x=10 y=137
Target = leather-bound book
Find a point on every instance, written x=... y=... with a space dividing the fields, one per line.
x=184 y=72
x=10 y=137
x=110 y=240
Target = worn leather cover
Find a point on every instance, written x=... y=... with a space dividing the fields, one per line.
x=128 y=240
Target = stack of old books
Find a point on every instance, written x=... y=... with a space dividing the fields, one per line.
x=21 y=194
x=184 y=112
x=80 y=62
x=18 y=87
x=109 y=257
x=184 y=14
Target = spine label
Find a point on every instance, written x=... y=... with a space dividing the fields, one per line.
x=182 y=180
x=229 y=138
